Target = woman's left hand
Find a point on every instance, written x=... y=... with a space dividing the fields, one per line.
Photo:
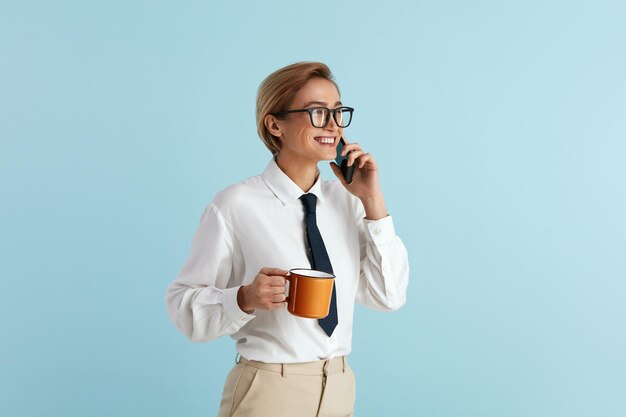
x=365 y=184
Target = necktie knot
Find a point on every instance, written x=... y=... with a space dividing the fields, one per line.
x=309 y=201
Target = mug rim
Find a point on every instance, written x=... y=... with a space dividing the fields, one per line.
x=322 y=274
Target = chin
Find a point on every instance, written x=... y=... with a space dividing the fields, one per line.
x=329 y=155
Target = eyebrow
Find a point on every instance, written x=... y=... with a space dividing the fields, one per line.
x=320 y=103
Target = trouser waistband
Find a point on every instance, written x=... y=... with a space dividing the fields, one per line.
x=324 y=367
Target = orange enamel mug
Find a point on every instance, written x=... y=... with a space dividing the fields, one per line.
x=310 y=292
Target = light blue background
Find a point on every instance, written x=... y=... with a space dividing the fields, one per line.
x=499 y=128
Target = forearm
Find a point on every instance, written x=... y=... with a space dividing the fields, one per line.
x=205 y=313
x=384 y=266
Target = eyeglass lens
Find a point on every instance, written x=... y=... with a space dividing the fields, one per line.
x=319 y=117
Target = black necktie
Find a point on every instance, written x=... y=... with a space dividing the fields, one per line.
x=319 y=257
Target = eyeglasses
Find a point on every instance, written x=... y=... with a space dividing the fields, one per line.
x=320 y=116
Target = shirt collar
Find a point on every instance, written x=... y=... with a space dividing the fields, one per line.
x=284 y=188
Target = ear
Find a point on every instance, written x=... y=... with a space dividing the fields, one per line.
x=272 y=124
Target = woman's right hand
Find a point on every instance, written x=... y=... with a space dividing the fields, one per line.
x=265 y=292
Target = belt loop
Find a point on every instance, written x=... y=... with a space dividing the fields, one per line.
x=343 y=363
x=237 y=358
x=282 y=370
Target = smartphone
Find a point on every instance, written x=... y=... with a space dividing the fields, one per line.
x=342 y=162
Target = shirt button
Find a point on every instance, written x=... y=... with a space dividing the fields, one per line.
x=376 y=231
x=385 y=268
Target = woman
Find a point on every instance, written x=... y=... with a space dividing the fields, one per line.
x=252 y=233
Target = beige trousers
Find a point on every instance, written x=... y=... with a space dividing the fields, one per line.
x=323 y=388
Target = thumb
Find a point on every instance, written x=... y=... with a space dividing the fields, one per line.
x=337 y=172
x=273 y=271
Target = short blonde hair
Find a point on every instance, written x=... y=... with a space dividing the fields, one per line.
x=278 y=90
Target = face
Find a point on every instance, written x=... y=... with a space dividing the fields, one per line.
x=300 y=140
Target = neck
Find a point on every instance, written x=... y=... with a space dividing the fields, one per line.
x=302 y=172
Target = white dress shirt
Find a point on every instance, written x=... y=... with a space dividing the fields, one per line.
x=260 y=223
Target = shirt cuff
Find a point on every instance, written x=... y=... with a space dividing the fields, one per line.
x=380 y=231
x=231 y=307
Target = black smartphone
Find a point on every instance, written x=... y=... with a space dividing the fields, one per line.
x=342 y=162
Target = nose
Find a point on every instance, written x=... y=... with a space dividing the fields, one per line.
x=332 y=125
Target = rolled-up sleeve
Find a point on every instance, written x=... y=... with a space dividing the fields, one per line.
x=384 y=275
x=199 y=302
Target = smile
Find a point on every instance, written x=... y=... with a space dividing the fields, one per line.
x=325 y=140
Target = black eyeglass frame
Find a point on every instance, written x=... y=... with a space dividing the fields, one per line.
x=310 y=110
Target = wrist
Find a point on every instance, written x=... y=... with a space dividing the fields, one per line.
x=242 y=300
x=374 y=206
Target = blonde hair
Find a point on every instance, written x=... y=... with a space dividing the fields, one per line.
x=278 y=90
